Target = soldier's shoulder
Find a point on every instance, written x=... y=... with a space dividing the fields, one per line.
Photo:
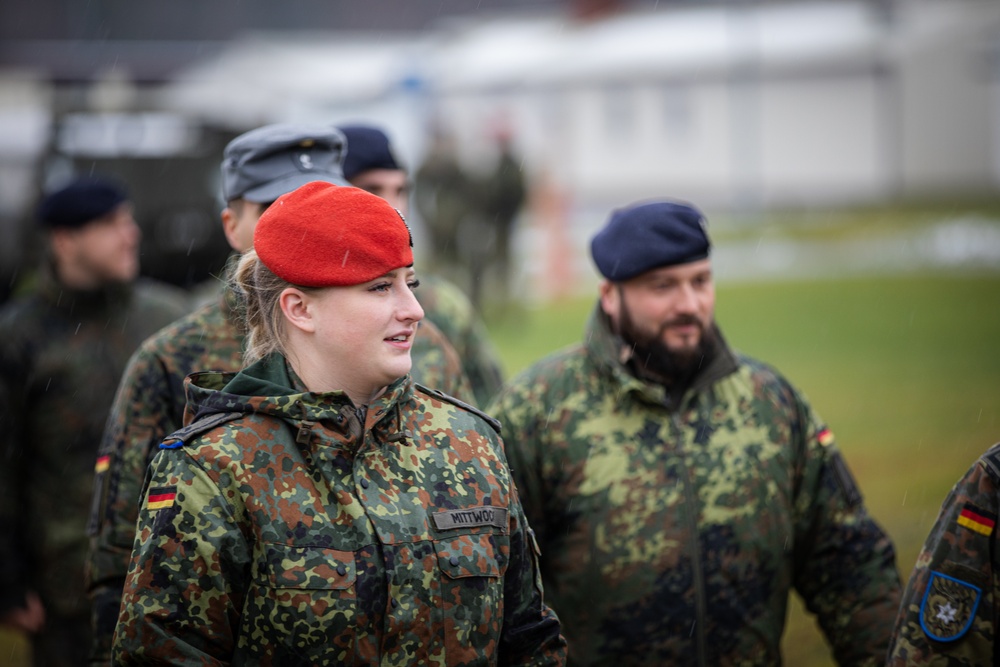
x=462 y=405
x=18 y=308
x=191 y=433
x=759 y=369
x=194 y=327
x=159 y=297
x=563 y=364
x=763 y=376
x=23 y=323
x=990 y=461
x=566 y=371
x=444 y=299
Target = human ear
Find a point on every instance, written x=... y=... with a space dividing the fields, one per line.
x=609 y=298
x=295 y=305
x=60 y=240
x=229 y=220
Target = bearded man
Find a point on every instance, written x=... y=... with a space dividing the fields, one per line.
x=63 y=346
x=679 y=490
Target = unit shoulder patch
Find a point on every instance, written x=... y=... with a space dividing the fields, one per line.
x=949 y=607
x=495 y=424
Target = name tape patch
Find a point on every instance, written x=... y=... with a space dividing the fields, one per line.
x=484 y=515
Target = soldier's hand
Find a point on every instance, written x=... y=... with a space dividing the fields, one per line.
x=30 y=618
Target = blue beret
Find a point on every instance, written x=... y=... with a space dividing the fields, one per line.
x=367 y=148
x=81 y=201
x=643 y=237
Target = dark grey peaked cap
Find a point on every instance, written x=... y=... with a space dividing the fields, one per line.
x=265 y=163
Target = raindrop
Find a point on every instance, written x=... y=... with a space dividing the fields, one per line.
x=904 y=497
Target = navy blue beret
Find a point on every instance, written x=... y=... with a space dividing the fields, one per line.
x=81 y=201
x=643 y=237
x=367 y=148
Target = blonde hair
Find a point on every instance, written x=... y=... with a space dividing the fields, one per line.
x=259 y=292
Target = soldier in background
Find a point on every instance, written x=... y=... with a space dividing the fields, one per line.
x=501 y=198
x=680 y=491
x=445 y=196
x=63 y=347
x=257 y=168
x=951 y=605
x=371 y=165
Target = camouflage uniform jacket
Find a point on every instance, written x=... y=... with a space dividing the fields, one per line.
x=150 y=405
x=447 y=306
x=951 y=606
x=61 y=354
x=673 y=534
x=288 y=527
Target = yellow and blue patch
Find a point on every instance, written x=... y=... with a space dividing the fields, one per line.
x=949 y=607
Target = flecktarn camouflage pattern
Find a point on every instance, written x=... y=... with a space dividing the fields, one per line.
x=675 y=536
x=447 y=306
x=150 y=405
x=950 y=607
x=287 y=527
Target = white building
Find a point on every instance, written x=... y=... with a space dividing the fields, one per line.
x=739 y=107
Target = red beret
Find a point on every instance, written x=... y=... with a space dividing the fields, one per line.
x=324 y=235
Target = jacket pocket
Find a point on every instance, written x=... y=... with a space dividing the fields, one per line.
x=308 y=568
x=471 y=595
x=476 y=555
x=302 y=603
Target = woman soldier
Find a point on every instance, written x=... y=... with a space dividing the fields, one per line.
x=322 y=508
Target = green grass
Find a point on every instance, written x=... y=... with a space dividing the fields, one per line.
x=905 y=370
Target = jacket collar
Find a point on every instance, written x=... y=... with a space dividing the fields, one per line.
x=269 y=386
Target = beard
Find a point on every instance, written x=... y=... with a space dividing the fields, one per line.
x=653 y=359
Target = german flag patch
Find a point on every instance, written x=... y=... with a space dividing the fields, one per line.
x=978 y=520
x=825 y=437
x=103 y=463
x=161 y=497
